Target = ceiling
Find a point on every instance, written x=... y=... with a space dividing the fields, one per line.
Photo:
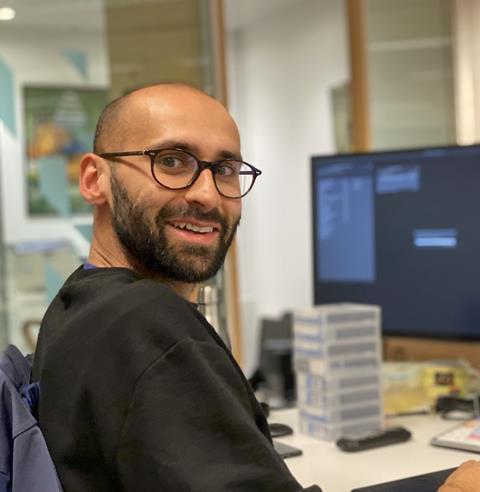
x=85 y=15
x=88 y=15
x=72 y=15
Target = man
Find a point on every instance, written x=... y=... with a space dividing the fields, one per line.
x=466 y=478
x=138 y=393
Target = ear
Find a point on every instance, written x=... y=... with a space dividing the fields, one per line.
x=92 y=179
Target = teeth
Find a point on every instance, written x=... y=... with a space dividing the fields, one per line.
x=194 y=228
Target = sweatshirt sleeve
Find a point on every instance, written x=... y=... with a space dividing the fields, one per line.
x=190 y=427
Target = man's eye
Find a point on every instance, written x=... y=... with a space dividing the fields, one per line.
x=171 y=162
x=227 y=170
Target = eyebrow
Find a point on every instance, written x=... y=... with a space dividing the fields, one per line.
x=193 y=149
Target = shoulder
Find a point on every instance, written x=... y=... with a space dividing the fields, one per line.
x=116 y=297
x=112 y=312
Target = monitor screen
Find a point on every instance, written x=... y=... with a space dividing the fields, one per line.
x=401 y=230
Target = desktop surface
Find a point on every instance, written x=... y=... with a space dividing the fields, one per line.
x=333 y=470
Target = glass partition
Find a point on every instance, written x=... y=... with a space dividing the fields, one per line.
x=410 y=73
x=61 y=61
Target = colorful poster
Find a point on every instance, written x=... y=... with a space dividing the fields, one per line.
x=59 y=128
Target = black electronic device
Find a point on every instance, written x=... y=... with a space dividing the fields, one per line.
x=279 y=430
x=453 y=407
x=428 y=482
x=275 y=374
x=393 y=435
x=285 y=450
x=400 y=229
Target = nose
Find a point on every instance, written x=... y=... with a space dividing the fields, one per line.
x=203 y=192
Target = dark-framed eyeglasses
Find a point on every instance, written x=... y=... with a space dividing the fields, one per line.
x=177 y=169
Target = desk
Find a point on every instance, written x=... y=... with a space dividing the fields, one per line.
x=322 y=463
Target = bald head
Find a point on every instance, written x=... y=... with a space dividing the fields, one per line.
x=130 y=112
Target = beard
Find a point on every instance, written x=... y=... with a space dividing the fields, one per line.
x=151 y=252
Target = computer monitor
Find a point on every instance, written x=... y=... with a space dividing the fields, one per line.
x=401 y=229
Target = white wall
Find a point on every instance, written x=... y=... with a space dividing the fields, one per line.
x=466 y=70
x=281 y=71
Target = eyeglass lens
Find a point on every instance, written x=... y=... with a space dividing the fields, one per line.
x=176 y=169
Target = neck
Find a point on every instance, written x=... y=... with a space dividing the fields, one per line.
x=105 y=251
x=188 y=291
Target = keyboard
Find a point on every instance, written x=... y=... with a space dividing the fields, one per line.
x=428 y=482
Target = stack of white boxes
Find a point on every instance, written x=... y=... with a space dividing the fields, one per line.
x=337 y=357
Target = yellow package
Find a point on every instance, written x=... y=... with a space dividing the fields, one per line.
x=403 y=390
x=441 y=378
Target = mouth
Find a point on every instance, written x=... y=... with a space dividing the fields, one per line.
x=198 y=229
x=194 y=231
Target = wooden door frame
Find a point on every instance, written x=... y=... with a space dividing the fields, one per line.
x=230 y=267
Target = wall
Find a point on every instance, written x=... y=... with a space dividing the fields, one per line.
x=466 y=70
x=282 y=68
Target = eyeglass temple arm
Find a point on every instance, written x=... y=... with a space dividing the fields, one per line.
x=122 y=154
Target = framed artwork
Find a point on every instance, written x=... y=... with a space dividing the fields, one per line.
x=59 y=128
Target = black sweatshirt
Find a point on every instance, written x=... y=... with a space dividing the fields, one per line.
x=138 y=393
